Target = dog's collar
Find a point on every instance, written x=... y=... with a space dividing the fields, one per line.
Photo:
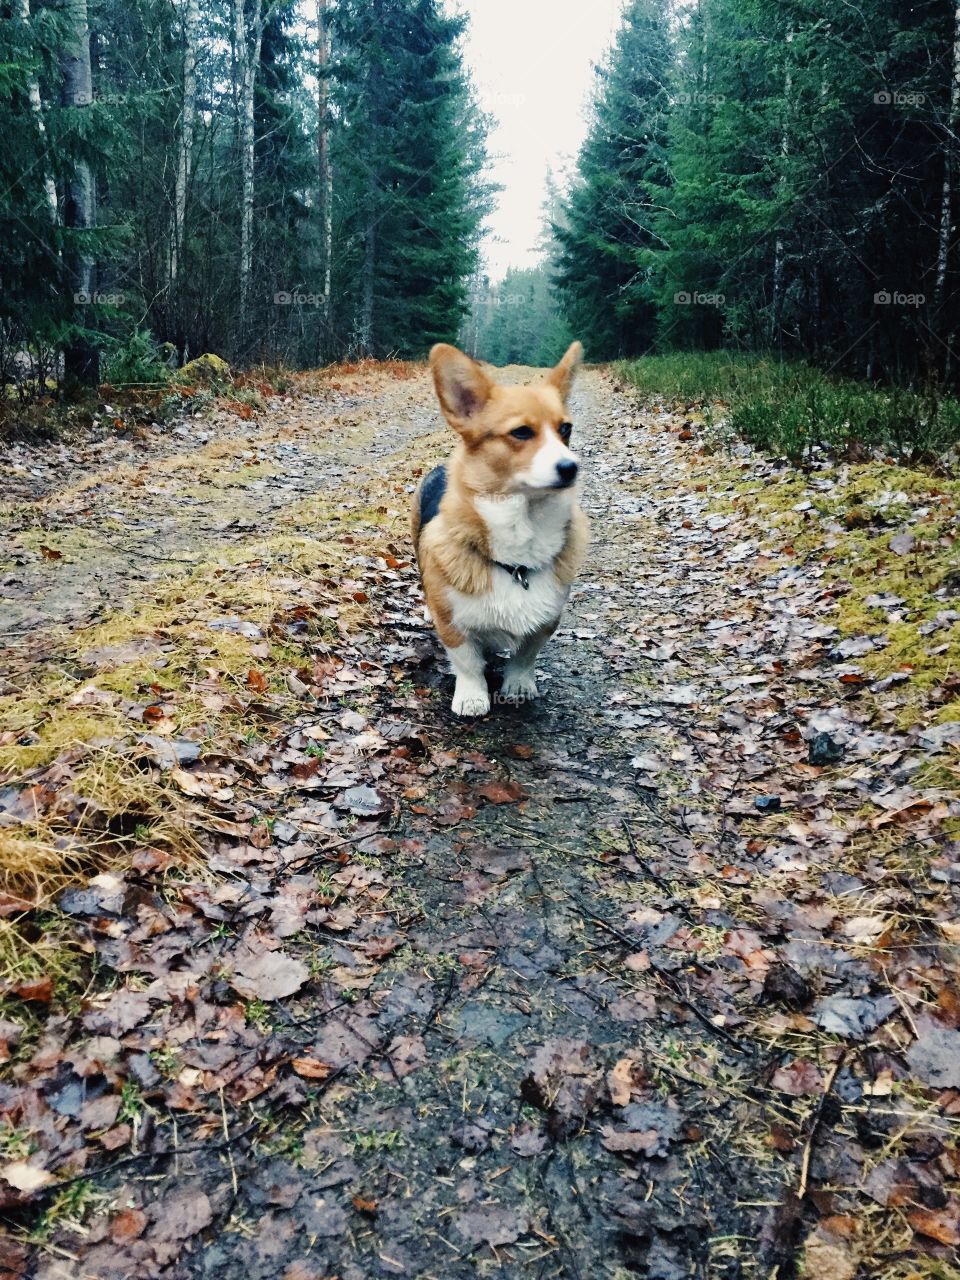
x=518 y=572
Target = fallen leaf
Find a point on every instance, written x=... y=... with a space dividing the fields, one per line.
x=267 y=976
x=312 y=1068
x=128 y=1225
x=935 y=1058
x=26 y=1177
x=939 y=1224
x=828 y=1259
x=39 y=991
x=528 y=1141
x=852 y=1017
x=364 y=802
x=407 y=1053
x=623 y=1141
x=382 y=945
x=620 y=1081
x=798 y=1079
x=493 y=1224
x=501 y=791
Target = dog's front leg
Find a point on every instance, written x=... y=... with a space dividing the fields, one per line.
x=471 y=696
x=519 y=675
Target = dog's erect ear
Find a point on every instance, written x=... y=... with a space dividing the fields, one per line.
x=563 y=375
x=462 y=386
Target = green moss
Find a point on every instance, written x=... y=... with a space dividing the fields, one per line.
x=859 y=562
x=209 y=370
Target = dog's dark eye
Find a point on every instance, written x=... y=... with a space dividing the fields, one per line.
x=523 y=433
x=566 y=431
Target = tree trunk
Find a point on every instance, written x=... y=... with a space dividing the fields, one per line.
x=779 y=253
x=36 y=107
x=325 y=174
x=248 y=38
x=81 y=358
x=369 y=274
x=949 y=163
x=191 y=23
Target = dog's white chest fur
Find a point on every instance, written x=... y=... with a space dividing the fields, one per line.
x=527 y=531
x=520 y=532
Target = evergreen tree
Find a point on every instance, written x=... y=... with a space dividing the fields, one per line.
x=287 y=240
x=410 y=195
x=606 y=231
x=176 y=158
x=517 y=321
x=32 y=303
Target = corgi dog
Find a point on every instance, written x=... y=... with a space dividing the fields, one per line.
x=498 y=531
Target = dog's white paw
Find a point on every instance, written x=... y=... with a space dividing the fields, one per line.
x=470 y=700
x=520 y=686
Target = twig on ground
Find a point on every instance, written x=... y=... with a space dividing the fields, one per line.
x=657 y=879
x=172 y=1153
x=680 y=996
x=815 y=1126
x=227 y=1140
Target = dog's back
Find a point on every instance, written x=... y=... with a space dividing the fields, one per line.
x=426 y=501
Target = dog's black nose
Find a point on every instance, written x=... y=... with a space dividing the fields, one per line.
x=567 y=471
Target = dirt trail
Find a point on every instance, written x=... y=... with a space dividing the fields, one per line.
x=121 y=511
x=583 y=998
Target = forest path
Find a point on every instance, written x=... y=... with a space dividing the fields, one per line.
x=89 y=522
x=584 y=989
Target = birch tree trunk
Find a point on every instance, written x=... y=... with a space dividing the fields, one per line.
x=36 y=106
x=946 y=206
x=779 y=254
x=325 y=174
x=249 y=21
x=367 y=313
x=81 y=359
x=191 y=23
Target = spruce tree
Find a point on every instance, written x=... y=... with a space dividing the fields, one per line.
x=606 y=231
x=409 y=158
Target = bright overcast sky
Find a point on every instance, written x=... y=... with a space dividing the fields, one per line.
x=532 y=63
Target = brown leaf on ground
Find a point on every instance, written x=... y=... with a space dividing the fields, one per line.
x=10 y=905
x=501 y=791
x=39 y=991
x=383 y=945
x=625 y=1076
x=267 y=975
x=645 y=1143
x=179 y=1216
x=564 y=1082
x=827 y=1258
x=493 y=1224
x=128 y=1225
x=407 y=1053
x=312 y=1068
x=798 y=1079
x=938 y=1224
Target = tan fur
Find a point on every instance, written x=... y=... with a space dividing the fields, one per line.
x=570 y=560
x=453 y=550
